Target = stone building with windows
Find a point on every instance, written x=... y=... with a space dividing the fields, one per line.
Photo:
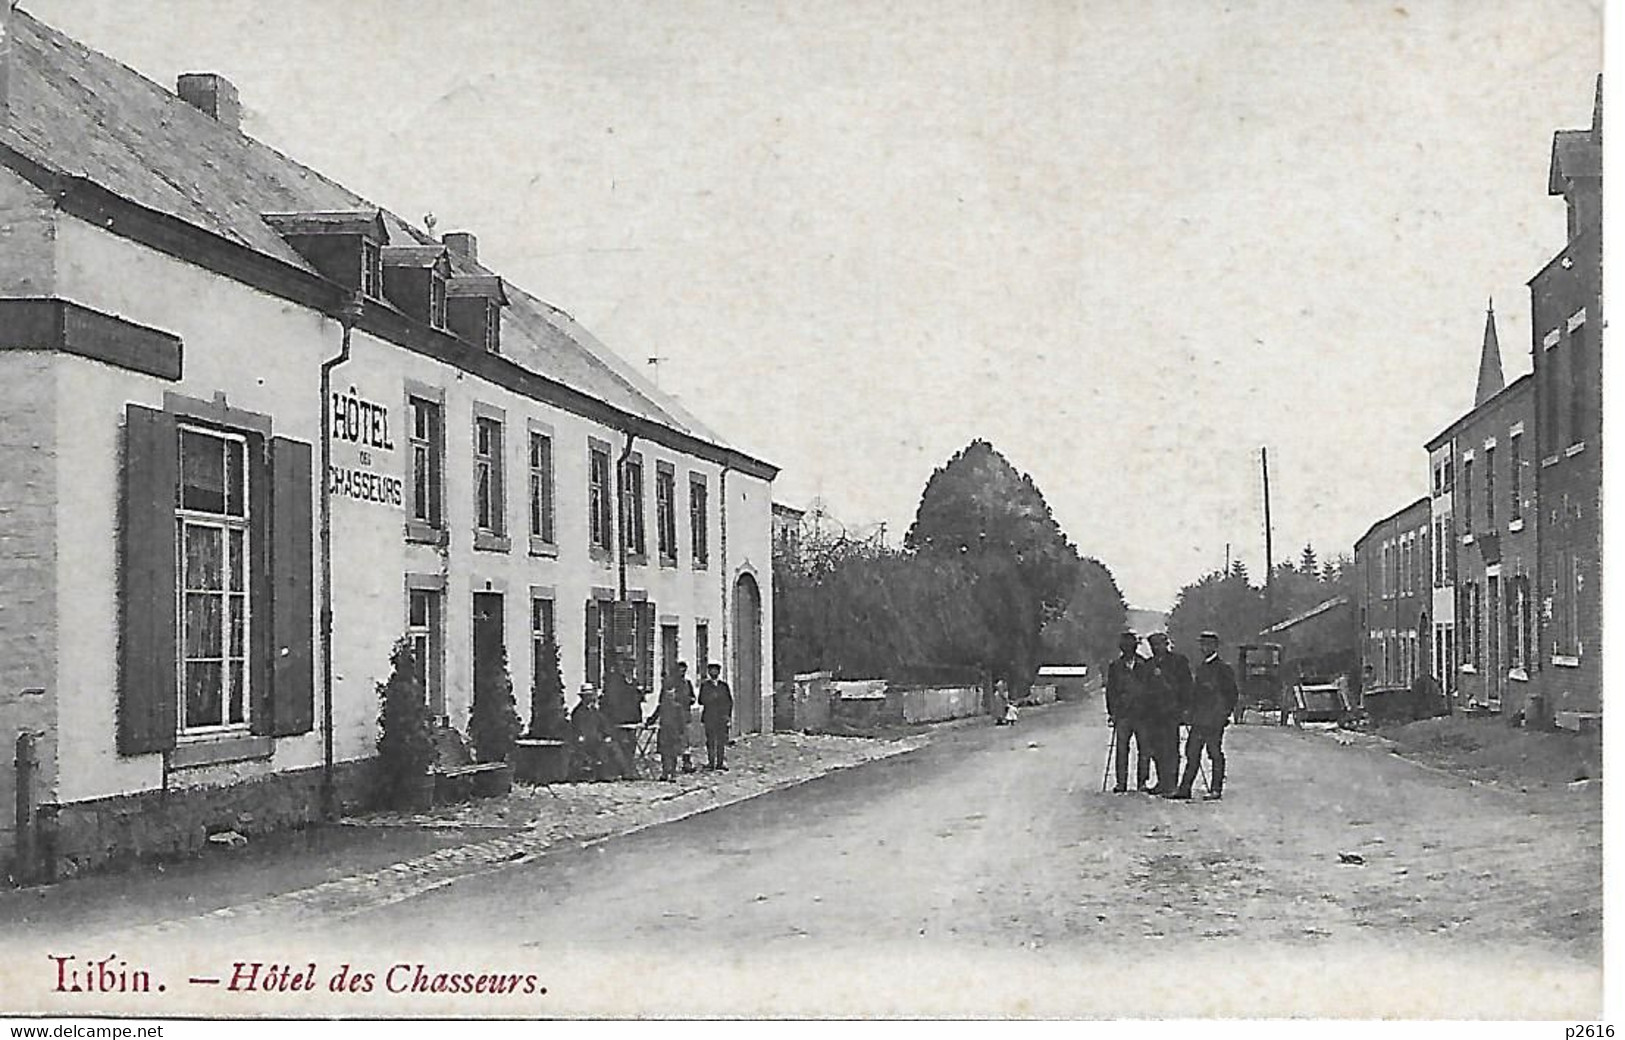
x=1489 y=551
x=237 y=400
x=1567 y=323
x=1393 y=582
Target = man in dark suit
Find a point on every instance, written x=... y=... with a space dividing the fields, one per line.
x=716 y=712
x=1168 y=678
x=1125 y=711
x=1213 y=700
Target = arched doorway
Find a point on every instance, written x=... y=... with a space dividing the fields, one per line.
x=747 y=655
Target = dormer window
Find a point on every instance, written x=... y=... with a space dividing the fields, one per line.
x=343 y=246
x=437 y=301
x=372 y=270
x=474 y=310
x=415 y=282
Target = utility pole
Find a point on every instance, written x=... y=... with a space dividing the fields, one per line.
x=1269 y=560
x=1227 y=558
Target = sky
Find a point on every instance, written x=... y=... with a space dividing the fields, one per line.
x=1130 y=243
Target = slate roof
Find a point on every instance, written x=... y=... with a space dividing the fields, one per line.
x=77 y=112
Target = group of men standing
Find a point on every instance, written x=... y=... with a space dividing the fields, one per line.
x=1149 y=698
x=605 y=735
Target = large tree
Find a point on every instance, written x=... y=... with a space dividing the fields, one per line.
x=1095 y=613
x=980 y=510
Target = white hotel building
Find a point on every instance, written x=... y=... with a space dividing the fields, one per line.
x=171 y=292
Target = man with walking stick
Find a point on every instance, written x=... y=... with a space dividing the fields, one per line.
x=1125 y=705
x=1213 y=700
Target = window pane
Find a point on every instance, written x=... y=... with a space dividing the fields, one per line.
x=238 y=563
x=203 y=475
x=238 y=625
x=235 y=709
x=418 y=610
x=420 y=482
x=204 y=567
x=203 y=632
x=203 y=700
x=234 y=478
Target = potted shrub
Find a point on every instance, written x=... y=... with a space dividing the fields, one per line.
x=542 y=755
x=405 y=735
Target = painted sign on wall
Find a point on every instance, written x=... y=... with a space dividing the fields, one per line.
x=362 y=426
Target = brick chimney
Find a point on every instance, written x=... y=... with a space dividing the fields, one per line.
x=213 y=95
x=463 y=244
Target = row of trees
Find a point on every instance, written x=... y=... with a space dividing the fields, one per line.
x=1228 y=603
x=986 y=585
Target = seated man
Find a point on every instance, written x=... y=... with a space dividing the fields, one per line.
x=593 y=740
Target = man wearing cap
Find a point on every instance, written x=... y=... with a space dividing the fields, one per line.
x=1125 y=696
x=1213 y=699
x=1168 y=679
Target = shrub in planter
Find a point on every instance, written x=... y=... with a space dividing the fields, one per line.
x=493 y=724
x=405 y=733
x=548 y=719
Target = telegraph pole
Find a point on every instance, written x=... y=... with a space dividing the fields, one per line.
x=1269 y=559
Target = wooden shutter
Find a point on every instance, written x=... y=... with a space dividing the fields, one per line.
x=594 y=662
x=148 y=697
x=261 y=645
x=293 y=602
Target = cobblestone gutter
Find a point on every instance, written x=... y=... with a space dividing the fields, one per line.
x=536 y=819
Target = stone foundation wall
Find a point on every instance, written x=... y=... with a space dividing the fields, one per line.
x=116 y=832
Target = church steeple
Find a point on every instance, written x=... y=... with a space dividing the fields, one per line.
x=1490 y=380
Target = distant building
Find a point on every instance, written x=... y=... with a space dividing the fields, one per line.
x=1567 y=324
x=1393 y=597
x=787 y=529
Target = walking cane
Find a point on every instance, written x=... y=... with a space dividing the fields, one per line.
x=1111 y=746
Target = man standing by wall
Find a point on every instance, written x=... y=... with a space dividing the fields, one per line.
x=1125 y=697
x=1169 y=680
x=716 y=711
x=1214 y=699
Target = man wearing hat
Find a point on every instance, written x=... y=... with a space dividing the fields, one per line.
x=1213 y=699
x=1168 y=680
x=1125 y=707
x=716 y=711
x=592 y=735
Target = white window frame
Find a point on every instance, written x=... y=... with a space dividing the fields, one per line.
x=541 y=512
x=187 y=519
